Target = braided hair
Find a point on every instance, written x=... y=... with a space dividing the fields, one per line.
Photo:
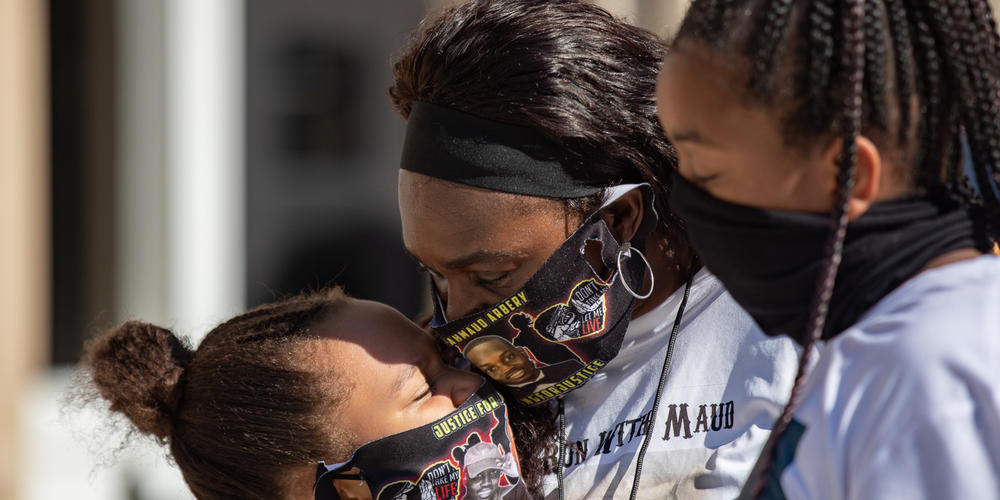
x=920 y=79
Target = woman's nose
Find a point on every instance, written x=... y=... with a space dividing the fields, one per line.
x=465 y=300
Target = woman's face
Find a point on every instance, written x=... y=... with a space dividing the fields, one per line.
x=398 y=379
x=479 y=246
x=733 y=150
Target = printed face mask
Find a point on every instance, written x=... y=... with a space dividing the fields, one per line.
x=567 y=322
x=467 y=454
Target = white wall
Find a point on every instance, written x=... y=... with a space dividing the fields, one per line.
x=179 y=249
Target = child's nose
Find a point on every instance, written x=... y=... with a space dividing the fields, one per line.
x=459 y=385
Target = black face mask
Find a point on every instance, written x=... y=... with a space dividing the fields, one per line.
x=566 y=323
x=465 y=453
x=770 y=260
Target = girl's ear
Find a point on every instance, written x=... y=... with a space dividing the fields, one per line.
x=867 y=172
x=624 y=215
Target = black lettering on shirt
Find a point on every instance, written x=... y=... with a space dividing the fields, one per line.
x=675 y=419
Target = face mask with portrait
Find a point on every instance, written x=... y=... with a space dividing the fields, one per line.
x=569 y=319
x=466 y=454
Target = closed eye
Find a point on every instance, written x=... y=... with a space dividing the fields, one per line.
x=492 y=278
x=425 y=393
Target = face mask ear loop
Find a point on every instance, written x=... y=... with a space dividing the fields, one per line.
x=562 y=447
x=327 y=474
x=627 y=250
x=659 y=387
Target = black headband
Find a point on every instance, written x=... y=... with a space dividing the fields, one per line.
x=464 y=148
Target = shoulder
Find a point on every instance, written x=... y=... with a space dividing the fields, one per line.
x=908 y=390
x=941 y=318
x=932 y=344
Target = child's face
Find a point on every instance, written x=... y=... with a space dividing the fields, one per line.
x=733 y=150
x=399 y=380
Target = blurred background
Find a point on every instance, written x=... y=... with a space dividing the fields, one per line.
x=180 y=161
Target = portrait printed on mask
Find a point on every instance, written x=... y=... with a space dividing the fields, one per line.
x=489 y=474
x=513 y=366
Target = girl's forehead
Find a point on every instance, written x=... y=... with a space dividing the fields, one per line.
x=369 y=324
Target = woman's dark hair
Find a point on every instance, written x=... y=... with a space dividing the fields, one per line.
x=920 y=79
x=564 y=68
x=239 y=412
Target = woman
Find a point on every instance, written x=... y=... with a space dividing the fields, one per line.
x=531 y=129
x=320 y=392
x=822 y=179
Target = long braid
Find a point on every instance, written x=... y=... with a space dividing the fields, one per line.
x=899 y=25
x=973 y=67
x=988 y=25
x=767 y=45
x=930 y=91
x=853 y=60
x=820 y=57
x=982 y=11
x=875 y=64
x=986 y=147
x=941 y=124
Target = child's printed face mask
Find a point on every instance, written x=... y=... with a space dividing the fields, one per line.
x=466 y=454
x=569 y=319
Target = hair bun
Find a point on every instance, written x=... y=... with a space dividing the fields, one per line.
x=137 y=368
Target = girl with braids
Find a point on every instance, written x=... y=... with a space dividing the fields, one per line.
x=269 y=394
x=821 y=178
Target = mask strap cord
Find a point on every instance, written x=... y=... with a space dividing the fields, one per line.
x=659 y=388
x=562 y=446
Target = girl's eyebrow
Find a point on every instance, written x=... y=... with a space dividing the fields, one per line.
x=404 y=375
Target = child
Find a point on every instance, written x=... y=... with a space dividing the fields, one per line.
x=273 y=392
x=821 y=178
